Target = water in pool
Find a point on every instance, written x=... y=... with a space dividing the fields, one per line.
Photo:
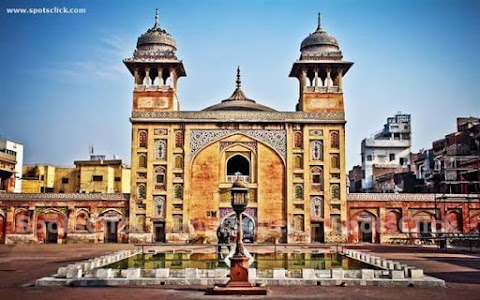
x=263 y=261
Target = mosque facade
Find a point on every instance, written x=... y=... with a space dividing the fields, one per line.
x=184 y=162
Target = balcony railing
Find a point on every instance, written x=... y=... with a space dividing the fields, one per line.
x=323 y=89
x=233 y=178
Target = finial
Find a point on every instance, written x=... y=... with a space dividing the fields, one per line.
x=156 y=18
x=319 y=27
x=239 y=82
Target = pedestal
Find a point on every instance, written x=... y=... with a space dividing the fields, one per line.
x=239 y=272
x=238 y=284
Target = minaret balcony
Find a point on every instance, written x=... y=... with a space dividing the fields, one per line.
x=323 y=89
x=143 y=87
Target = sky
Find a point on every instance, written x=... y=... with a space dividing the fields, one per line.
x=63 y=86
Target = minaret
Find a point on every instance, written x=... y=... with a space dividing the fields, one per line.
x=155 y=69
x=320 y=71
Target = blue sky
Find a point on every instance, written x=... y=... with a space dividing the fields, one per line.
x=63 y=86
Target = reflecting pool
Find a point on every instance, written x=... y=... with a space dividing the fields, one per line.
x=262 y=261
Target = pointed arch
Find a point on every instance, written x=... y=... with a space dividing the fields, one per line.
x=142 y=139
x=298 y=139
x=81 y=220
x=142 y=160
x=334 y=140
x=179 y=139
x=21 y=220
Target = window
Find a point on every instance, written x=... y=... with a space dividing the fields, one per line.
x=317 y=178
x=316 y=150
x=334 y=140
x=142 y=139
x=369 y=158
x=402 y=161
x=235 y=164
x=142 y=161
x=159 y=178
x=298 y=139
x=117 y=179
x=335 y=161
x=65 y=180
x=178 y=139
x=97 y=178
x=391 y=156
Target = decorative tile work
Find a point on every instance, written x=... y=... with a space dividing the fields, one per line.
x=252 y=212
x=316 y=207
x=316 y=132
x=251 y=145
x=336 y=239
x=399 y=197
x=316 y=150
x=239 y=116
x=159 y=209
x=160 y=131
x=274 y=138
x=64 y=196
x=160 y=149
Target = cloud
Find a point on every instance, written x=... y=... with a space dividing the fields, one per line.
x=103 y=61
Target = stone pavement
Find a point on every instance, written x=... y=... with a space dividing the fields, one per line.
x=20 y=265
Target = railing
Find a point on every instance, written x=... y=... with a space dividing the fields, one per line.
x=143 y=87
x=324 y=89
x=233 y=178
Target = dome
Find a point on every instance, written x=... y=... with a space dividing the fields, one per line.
x=156 y=36
x=320 y=45
x=319 y=38
x=156 y=43
x=238 y=101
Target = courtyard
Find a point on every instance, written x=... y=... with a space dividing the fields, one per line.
x=21 y=265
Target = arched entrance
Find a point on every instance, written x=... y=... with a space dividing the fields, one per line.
x=229 y=224
x=365 y=224
x=423 y=222
x=110 y=223
x=51 y=226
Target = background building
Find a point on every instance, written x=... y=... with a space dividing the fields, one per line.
x=355 y=179
x=97 y=175
x=13 y=149
x=7 y=172
x=457 y=159
x=388 y=151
